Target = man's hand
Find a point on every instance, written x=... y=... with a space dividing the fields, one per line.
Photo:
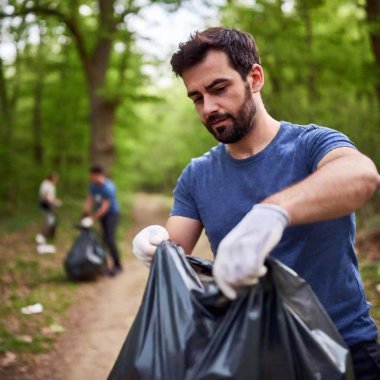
x=87 y=222
x=241 y=254
x=146 y=241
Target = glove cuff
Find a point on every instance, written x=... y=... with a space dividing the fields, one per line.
x=275 y=208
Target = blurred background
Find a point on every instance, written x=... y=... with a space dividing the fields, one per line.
x=89 y=82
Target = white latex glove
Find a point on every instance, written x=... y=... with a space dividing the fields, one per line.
x=242 y=252
x=87 y=222
x=146 y=241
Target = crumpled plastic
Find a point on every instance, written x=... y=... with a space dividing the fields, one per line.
x=86 y=259
x=186 y=329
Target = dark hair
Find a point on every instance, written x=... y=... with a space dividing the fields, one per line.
x=96 y=170
x=239 y=46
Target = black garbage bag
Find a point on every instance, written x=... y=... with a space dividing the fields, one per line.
x=186 y=329
x=86 y=259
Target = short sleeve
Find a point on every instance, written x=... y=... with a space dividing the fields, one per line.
x=318 y=141
x=108 y=192
x=184 y=203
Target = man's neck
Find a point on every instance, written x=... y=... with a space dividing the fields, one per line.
x=263 y=132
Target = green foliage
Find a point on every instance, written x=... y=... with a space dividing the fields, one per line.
x=318 y=63
x=370 y=272
x=27 y=278
x=319 y=69
x=24 y=280
x=169 y=135
x=46 y=93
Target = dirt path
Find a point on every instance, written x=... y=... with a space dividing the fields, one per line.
x=98 y=322
x=98 y=325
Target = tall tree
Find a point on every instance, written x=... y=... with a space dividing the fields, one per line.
x=37 y=106
x=94 y=35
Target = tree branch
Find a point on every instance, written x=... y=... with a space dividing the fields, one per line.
x=131 y=8
x=53 y=12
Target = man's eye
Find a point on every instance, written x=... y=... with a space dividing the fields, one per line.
x=220 y=89
x=197 y=99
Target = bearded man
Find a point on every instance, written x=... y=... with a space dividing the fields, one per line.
x=269 y=187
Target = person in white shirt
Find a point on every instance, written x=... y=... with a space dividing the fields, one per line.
x=48 y=201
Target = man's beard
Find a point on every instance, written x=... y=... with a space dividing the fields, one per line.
x=241 y=125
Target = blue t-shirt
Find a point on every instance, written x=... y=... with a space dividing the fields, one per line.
x=107 y=191
x=219 y=190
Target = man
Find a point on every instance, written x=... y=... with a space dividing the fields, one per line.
x=101 y=203
x=270 y=187
x=48 y=201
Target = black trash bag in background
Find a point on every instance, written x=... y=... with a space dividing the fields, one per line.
x=86 y=259
x=186 y=329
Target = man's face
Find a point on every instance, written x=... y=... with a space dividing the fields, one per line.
x=222 y=99
x=96 y=178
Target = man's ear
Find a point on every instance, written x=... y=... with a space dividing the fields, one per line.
x=256 y=78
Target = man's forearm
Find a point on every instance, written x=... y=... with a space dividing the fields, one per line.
x=102 y=210
x=98 y=214
x=336 y=189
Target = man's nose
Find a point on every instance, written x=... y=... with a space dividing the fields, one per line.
x=210 y=106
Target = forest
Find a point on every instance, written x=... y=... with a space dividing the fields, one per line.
x=86 y=83
x=74 y=91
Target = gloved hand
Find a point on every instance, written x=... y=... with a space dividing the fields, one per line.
x=87 y=222
x=242 y=252
x=146 y=241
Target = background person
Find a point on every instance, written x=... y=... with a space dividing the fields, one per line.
x=101 y=203
x=48 y=201
x=269 y=187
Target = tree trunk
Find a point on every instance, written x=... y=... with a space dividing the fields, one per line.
x=102 y=110
x=95 y=63
x=373 y=17
x=102 y=117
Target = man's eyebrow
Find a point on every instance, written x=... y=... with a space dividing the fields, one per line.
x=192 y=93
x=216 y=82
x=208 y=87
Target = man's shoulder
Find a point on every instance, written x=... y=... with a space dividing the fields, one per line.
x=109 y=186
x=208 y=158
x=109 y=182
x=299 y=128
x=307 y=133
x=105 y=189
x=305 y=128
x=46 y=184
x=198 y=166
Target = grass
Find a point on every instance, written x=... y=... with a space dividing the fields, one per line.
x=27 y=278
x=38 y=344
x=368 y=221
x=370 y=272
